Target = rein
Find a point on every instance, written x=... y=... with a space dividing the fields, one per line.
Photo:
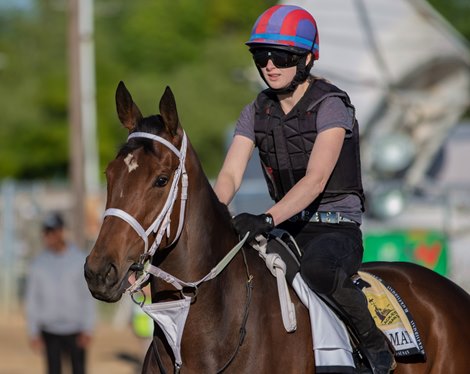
x=249 y=293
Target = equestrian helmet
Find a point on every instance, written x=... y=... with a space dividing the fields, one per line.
x=286 y=27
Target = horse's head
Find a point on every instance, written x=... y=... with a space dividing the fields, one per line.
x=139 y=182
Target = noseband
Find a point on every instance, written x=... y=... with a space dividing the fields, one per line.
x=161 y=224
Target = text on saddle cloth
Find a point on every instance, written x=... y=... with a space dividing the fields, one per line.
x=392 y=316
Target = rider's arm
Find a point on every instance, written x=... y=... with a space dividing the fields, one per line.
x=230 y=177
x=325 y=154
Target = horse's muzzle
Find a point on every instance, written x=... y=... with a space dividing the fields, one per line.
x=104 y=282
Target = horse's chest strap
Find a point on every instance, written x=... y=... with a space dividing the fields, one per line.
x=171 y=315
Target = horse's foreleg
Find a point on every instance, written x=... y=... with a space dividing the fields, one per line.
x=150 y=364
x=155 y=362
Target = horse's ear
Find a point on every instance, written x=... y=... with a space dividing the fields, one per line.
x=128 y=112
x=168 y=111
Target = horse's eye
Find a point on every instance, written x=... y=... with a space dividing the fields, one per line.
x=161 y=181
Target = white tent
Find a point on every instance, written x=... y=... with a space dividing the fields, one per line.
x=407 y=72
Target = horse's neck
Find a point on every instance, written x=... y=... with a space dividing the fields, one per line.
x=208 y=226
x=207 y=233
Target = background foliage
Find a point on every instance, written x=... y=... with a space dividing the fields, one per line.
x=196 y=47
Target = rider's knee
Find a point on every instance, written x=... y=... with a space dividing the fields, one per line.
x=319 y=276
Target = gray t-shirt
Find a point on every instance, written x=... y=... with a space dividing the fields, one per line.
x=331 y=113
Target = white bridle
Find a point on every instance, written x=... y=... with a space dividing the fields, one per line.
x=170 y=315
x=161 y=224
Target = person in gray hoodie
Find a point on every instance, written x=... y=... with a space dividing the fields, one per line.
x=60 y=310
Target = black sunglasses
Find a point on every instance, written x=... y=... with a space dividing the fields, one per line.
x=280 y=59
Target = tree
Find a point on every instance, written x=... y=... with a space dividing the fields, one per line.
x=196 y=47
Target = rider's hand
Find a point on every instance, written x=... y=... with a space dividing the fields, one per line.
x=255 y=224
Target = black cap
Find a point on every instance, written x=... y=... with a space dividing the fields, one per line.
x=53 y=221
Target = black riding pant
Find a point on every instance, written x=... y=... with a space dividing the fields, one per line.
x=332 y=254
x=59 y=347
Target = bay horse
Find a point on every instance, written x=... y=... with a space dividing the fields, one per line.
x=234 y=324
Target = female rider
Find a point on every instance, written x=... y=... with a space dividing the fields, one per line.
x=307 y=136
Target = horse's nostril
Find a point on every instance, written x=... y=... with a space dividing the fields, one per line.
x=88 y=272
x=111 y=275
x=107 y=276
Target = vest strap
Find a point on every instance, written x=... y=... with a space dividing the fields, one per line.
x=283 y=159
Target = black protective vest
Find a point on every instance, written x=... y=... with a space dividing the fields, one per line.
x=285 y=143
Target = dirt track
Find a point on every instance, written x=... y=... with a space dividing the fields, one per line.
x=113 y=350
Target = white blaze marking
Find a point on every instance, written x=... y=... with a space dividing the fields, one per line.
x=131 y=162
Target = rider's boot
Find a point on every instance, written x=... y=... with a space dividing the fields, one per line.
x=353 y=302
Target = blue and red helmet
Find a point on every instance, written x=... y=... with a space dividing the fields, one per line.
x=286 y=27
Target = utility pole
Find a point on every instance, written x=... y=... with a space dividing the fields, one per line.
x=88 y=95
x=82 y=109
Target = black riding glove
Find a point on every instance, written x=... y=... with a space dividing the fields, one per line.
x=255 y=224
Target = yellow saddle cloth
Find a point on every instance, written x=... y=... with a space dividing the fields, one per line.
x=392 y=316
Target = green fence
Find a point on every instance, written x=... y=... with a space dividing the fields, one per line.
x=424 y=247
